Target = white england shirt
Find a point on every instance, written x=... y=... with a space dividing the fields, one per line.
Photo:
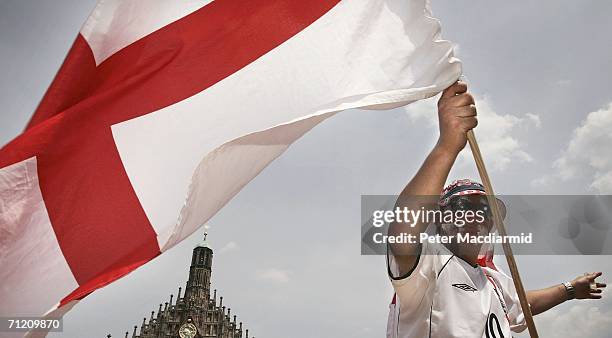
x=444 y=296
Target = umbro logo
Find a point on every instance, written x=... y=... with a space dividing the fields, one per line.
x=465 y=287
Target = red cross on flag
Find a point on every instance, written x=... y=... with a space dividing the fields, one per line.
x=164 y=110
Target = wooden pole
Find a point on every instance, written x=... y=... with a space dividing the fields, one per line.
x=501 y=229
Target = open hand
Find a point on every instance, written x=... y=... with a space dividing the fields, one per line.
x=587 y=287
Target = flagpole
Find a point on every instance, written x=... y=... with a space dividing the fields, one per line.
x=501 y=229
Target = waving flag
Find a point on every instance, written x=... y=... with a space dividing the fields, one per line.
x=164 y=110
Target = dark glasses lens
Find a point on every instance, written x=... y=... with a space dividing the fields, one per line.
x=465 y=203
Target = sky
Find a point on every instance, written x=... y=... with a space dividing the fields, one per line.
x=287 y=255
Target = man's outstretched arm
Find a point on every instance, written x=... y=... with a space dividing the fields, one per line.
x=457 y=115
x=545 y=299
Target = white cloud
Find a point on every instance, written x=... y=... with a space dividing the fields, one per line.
x=588 y=153
x=273 y=275
x=495 y=131
x=542 y=181
x=535 y=119
x=230 y=246
x=424 y=111
x=585 y=318
x=603 y=183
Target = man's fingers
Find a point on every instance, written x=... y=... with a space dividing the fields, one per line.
x=461 y=100
x=456 y=88
x=469 y=123
x=594 y=275
x=595 y=296
x=601 y=285
x=467 y=111
x=596 y=291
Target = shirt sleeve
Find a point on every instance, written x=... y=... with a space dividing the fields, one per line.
x=412 y=287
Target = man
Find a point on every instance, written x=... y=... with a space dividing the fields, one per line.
x=441 y=290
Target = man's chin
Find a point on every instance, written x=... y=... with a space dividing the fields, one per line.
x=467 y=250
x=471 y=231
x=474 y=230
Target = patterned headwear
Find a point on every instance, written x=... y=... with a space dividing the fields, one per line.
x=458 y=188
x=466 y=187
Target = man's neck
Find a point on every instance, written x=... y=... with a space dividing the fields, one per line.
x=470 y=259
x=469 y=256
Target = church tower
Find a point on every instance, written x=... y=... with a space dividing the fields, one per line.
x=197 y=313
x=197 y=291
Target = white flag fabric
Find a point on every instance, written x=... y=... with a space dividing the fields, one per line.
x=164 y=110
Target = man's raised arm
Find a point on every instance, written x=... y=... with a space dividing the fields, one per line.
x=457 y=115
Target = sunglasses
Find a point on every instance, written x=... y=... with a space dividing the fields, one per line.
x=468 y=202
